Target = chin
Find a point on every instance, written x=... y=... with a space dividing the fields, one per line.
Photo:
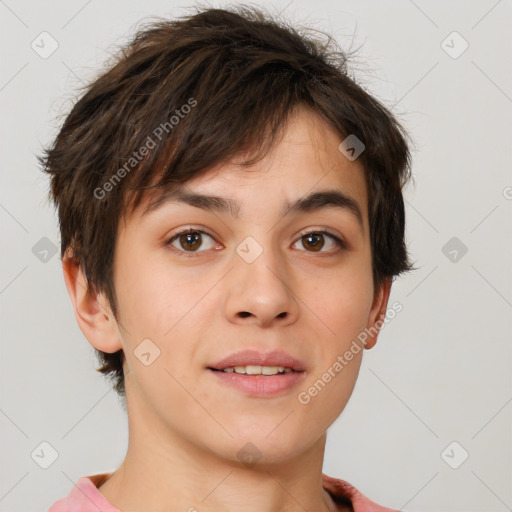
x=268 y=441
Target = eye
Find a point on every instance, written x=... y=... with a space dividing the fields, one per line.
x=189 y=241
x=315 y=241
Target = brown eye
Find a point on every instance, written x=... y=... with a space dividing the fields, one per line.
x=189 y=241
x=315 y=241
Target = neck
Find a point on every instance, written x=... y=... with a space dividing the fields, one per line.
x=164 y=471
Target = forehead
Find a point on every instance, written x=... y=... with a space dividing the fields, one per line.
x=304 y=161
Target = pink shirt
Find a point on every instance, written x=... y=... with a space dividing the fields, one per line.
x=85 y=497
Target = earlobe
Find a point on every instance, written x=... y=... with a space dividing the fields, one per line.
x=377 y=313
x=92 y=311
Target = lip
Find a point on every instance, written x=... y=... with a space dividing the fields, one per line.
x=255 y=357
x=260 y=385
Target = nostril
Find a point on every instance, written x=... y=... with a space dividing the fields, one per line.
x=244 y=314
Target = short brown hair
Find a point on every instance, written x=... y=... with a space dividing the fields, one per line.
x=240 y=72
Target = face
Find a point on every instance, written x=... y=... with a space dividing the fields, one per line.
x=250 y=277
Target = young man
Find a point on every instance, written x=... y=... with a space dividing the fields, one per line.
x=231 y=213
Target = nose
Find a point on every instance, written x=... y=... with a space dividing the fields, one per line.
x=261 y=292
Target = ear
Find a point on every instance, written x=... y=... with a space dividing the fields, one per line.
x=377 y=313
x=92 y=311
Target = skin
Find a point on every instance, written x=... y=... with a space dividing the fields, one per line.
x=185 y=427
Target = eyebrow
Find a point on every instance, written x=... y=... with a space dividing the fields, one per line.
x=313 y=202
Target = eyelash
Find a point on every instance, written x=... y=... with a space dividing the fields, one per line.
x=341 y=245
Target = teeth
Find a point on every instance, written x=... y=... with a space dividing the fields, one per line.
x=258 y=370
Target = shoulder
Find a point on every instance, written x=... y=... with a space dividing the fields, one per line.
x=344 y=493
x=85 y=497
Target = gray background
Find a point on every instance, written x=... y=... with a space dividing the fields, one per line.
x=441 y=371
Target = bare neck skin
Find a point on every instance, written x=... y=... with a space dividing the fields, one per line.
x=163 y=472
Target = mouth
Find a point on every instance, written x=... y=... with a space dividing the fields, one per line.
x=253 y=362
x=259 y=374
x=256 y=370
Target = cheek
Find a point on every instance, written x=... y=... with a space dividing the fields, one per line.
x=156 y=296
x=159 y=302
x=341 y=304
